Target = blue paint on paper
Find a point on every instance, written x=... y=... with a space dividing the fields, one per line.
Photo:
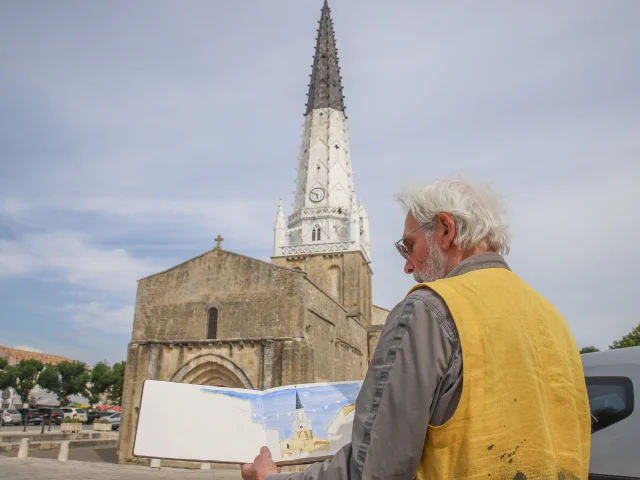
x=321 y=404
x=276 y=410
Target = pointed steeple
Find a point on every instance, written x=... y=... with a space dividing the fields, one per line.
x=325 y=88
x=298 y=402
x=325 y=197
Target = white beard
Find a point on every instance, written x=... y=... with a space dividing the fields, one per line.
x=434 y=266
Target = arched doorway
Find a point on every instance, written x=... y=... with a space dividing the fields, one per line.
x=212 y=369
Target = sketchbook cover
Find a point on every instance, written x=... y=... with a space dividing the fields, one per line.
x=181 y=421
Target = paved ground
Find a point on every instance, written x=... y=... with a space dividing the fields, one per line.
x=81 y=454
x=38 y=468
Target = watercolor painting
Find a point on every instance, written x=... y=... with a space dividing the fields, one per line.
x=309 y=420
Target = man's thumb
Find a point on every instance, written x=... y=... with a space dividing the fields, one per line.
x=265 y=451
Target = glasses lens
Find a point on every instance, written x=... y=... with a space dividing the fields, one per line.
x=402 y=249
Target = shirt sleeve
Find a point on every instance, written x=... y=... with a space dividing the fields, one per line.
x=397 y=398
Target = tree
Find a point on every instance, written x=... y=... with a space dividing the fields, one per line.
x=632 y=339
x=65 y=379
x=588 y=349
x=26 y=372
x=102 y=378
x=115 y=392
x=7 y=375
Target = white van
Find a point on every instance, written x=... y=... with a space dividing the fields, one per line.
x=613 y=379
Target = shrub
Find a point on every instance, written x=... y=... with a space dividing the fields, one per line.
x=102 y=420
x=71 y=420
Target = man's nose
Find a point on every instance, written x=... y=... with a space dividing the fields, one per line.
x=408 y=266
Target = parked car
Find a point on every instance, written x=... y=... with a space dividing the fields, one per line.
x=53 y=414
x=10 y=417
x=75 y=413
x=30 y=415
x=613 y=378
x=114 y=419
x=56 y=416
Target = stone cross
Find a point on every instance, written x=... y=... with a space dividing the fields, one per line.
x=218 y=239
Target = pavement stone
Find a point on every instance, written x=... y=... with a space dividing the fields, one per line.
x=39 y=468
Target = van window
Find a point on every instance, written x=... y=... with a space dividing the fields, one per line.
x=610 y=400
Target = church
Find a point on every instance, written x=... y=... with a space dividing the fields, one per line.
x=307 y=316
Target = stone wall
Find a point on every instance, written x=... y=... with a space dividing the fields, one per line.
x=354 y=278
x=379 y=315
x=253 y=298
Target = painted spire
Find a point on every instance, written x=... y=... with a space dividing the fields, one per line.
x=298 y=402
x=325 y=88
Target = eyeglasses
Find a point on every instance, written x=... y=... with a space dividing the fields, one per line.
x=400 y=246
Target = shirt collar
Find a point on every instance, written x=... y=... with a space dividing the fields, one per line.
x=478 y=262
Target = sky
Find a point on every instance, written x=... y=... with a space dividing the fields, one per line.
x=133 y=133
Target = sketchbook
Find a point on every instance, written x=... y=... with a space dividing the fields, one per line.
x=299 y=423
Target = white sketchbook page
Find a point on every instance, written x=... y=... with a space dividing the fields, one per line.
x=194 y=422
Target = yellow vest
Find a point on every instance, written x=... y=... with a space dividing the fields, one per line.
x=524 y=411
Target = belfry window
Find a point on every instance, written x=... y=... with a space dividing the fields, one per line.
x=212 y=327
x=315 y=234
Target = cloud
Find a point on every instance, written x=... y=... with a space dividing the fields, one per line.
x=14 y=207
x=72 y=257
x=108 y=318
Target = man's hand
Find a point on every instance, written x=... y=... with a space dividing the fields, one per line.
x=262 y=466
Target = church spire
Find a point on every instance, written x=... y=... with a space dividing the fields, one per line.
x=325 y=88
x=298 y=402
x=325 y=217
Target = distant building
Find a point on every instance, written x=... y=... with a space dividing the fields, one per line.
x=14 y=356
x=225 y=319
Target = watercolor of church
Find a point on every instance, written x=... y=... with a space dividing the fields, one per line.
x=303 y=442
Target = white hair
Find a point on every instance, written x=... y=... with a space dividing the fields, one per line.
x=478 y=213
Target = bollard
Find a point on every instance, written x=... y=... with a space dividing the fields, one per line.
x=63 y=455
x=156 y=463
x=24 y=448
x=205 y=466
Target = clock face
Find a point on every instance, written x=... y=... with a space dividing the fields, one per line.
x=316 y=194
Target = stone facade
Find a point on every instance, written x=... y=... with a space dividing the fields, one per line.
x=228 y=320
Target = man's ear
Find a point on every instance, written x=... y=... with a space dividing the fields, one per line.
x=448 y=228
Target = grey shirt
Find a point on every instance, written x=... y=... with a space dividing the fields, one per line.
x=414 y=379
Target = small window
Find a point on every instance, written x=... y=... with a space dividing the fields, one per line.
x=315 y=234
x=212 y=328
x=610 y=400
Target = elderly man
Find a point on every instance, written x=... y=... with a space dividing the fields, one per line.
x=475 y=375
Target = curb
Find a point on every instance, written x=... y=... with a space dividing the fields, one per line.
x=14 y=447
